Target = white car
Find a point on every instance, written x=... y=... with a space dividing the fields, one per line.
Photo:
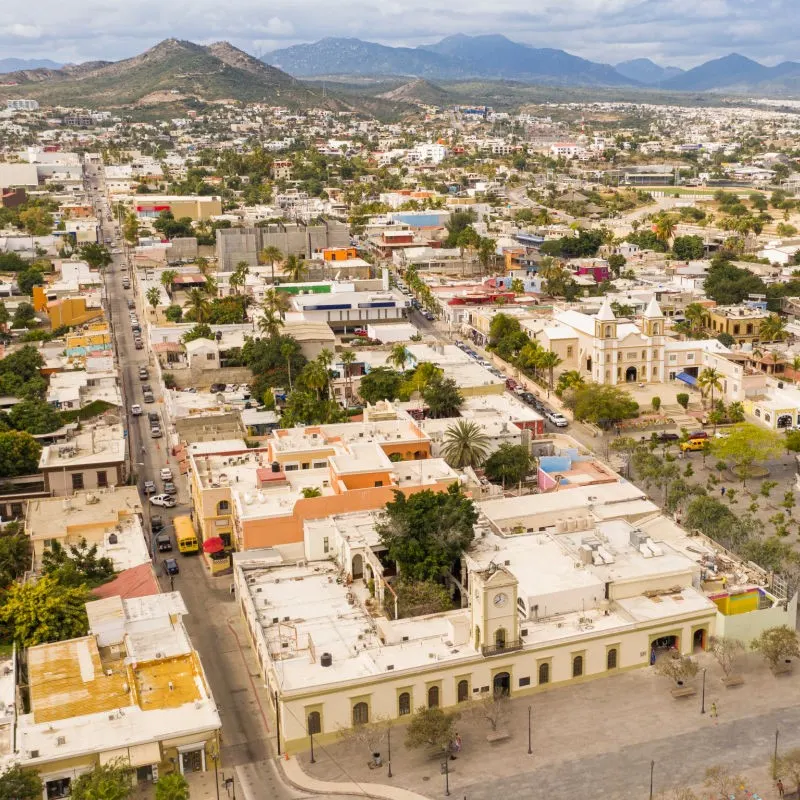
x=136 y=410
x=166 y=474
x=165 y=500
x=559 y=420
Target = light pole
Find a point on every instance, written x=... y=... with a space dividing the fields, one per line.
x=446 y=774
x=775 y=756
x=311 y=733
x=703 y=702
x=530 y=749
x=389 y=745
x=215 y=756
x=652 y=765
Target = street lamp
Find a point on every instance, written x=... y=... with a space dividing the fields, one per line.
x=389 y=744
x=446 y=774
x=215 y=756
x=775 y=756
x=530 y=749
x=652 y=765
x=703 y=703
x=311 y=734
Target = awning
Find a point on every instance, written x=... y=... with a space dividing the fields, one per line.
x=213 y=545
x=687 y=378
x=143 y=755
x=114 y=755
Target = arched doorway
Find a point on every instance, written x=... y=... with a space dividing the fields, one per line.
x=784 y=421
x=502 y=683
x=358 y=566
x=699 y=640
x=630 y=375
x=463 y=691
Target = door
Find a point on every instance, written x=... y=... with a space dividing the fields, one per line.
x=192 y=761
x=630 y=375
x=502 y=683
x=358 y=566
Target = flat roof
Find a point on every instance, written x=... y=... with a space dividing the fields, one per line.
x=99 y=444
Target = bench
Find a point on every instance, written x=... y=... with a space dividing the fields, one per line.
x=733 y=680
x=497 y=736
x=683 y=691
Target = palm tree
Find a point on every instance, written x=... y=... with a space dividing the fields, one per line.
x=238 y=277
x=167 y=279
x=773 y=329
x=548 y=360
x=270 y=324
x=325 y=358
x=288 y=350
x=269 y=255
x=295 y=268
x=199 y=305
x=709 y=380
x=399 y=357
x=665 y=228
x=347 y=358
x=201 y=262
x=153 y=297
x=694 y=314
x=315 y=376
x=465 y=444
x=276 y=301
x=796 y=369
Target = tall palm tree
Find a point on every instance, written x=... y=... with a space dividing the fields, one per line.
x=347 y=358
x=796 y=369
x=269 y=255
x=709 y=381
x=399 y=356
x=167 y=279
x=238 y=277
x=465 y=444
x=270 y=324
x=315 y=376
x=201 y=262
x=153 y=297
x=665 y=228
x=694 y=314
x=199 y=305
x=548 y=360
x=288 y=351
x=276 y=301
x=773 y=329
x=325 y=358
x=295 y=268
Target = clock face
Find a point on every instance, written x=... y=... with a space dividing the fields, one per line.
x=500 y=599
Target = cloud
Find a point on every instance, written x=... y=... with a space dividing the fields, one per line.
x=683 y=32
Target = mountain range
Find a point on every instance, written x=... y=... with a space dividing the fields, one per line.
x=17 y=64
x=495 y=57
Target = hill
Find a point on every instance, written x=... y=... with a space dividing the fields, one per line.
x=720 y=73
x=19 y=64
x=419 y=92
x=173 y=70
x=646 y=71
x=455 y=57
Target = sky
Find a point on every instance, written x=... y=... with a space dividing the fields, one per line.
x=671 y=32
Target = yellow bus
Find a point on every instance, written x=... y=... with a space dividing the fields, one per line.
x=185 y=535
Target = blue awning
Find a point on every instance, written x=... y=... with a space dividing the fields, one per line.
x=687 y=378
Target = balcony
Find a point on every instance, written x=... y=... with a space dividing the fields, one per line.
x=500 y=648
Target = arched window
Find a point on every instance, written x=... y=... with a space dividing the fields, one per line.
x=500 y=638
x=463 y=691
x=360 y=714
x=608 y=331
x=223 y=507
x=544 y=673
x=433 y=697
x=655 y=329
x=611 y=658
x=403 y=704
x=314 y=722
x=577 y=666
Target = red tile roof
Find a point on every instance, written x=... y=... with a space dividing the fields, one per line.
x=134 y=582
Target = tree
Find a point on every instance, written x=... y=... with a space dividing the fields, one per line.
x=37 y=220
x=315 y=377
x=15 y=554
x=725 y=650
x=307 y=408
x=455 y=225
x=487 y=249
x=273 y=361
x=380 y=383
x=777 y=644
x=747 y=444
x=426 y=532
x=548 y=360
x=688 y=248
x=682 y=399
x=443 y=398
x=655 y=402
x=45 y=611
x=417 y=598
x=399 y=356
x=509 y=464
x=130 y=229
x=615 y=263
x=24 y=316
x=19 y=454
x=295 y=269
x=199 y=331
x=665 y=227
x=465 y=444
x=270 y=323
x=709 y=381
x=35 y=417
x=199 y=306
x=81 y=561
x=494 y=708
x=173 y=313
x=347 y=359
x=275 y=301
x=110 y=781
x=721 y=782
x=269 y=255
x=238 y=277
x=730 y=285
x=678 y=669
x=172 y=786
x=789 y=764
x=28 y=278
x=153 y=297
x=605 y=406
x=19 y=783
x=431 y=727
x=773 y=329
x=97 y=256
x=168 y=279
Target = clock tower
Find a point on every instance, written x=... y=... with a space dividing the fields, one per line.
x=495 y=619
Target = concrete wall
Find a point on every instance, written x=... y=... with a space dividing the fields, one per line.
x=748 y=626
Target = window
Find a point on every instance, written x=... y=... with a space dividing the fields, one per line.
x=223 y=507
x=736 y=329
x=749 y=328
x=611 y=658
x=463 y=691
x=404 y=704
x=544 y=673
x=77 y=480
x=306 y=465
x=569 y=351
x=644 y=354
x=290 y=467
x=58 y=788
x=209 y=356
x=102 y=478
x=360 y=714
x=655 y=329
x=608 y=331
x=433 y=697
x=325 y=544
x=16 y=508
x=378 y=483
x=525 y=681
x=690 y=356
x=577 y=666
x=500 y=638
x=314 y=723
x=673 y=358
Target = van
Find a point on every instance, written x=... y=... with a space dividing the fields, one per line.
x=163 y=543
x=693 y=444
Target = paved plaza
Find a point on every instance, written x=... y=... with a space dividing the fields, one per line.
x=598 y=739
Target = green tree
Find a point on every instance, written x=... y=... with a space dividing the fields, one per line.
x=307 y=408
x=295 y=269
x=487 y=249
x=199 y=306
x=789 y=764
x=571 y=379
x=709 y=380
x=35 y=417
x=688 y=248
x=457 y=222
x=19 y=454
x=15 y=555
x=416 y=598
x=172 y=786
x=24 y=316
x=153 y=297
x=777 y=644
x=380 y=383
x=97 y=256
x=275 y=301
x=269 y=255
x=82 y=560
x=238 y=278
x=615 y=263
x=36 y=220
x=426 y=532
x=442 y=398
x=130 y=229
x=431 y=727
x=682 y=399
x=745 y=445
x=604 y=406
x=399 y=356
x=199 y=331
x=730 y=285
x=273 y=361
x=665 y=227
x=549 y=360
x=315 y=377
x=173 y=313
x=19 y=783
x=168 y=279
x=509 y=464
x=773 y=329
x=465 y=444
x=269 y=323
x=28 y=278
x=110 y=781
x=45 y=611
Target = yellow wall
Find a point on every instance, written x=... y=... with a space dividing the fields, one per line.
x=737 y=603
x=71 y=311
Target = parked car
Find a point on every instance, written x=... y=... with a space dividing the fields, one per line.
x=131 y=304
x=528 y=397
x=692 y=445
x=149 y=397
x=149 y=487
x=698 y=435
x=136 y=410
x=163 y=500
x=166 y=474
x=559 y=420
x=138 y=344
x=668 y=437
x=169 y=488
x=144 y=374
x=217 y=387
x=155 y=432
x=428 y=316
x=511 y=384
x=154 y=419
x=360 y=332
x=164 y=543
x=156 y=523
x=171 y=566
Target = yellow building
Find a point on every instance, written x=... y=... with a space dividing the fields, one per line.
x=743 y=323
x=71 y=311
x=199 y=207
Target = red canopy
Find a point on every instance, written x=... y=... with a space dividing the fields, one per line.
x=213 y=545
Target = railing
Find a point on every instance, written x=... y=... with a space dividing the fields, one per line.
x=506 y=647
